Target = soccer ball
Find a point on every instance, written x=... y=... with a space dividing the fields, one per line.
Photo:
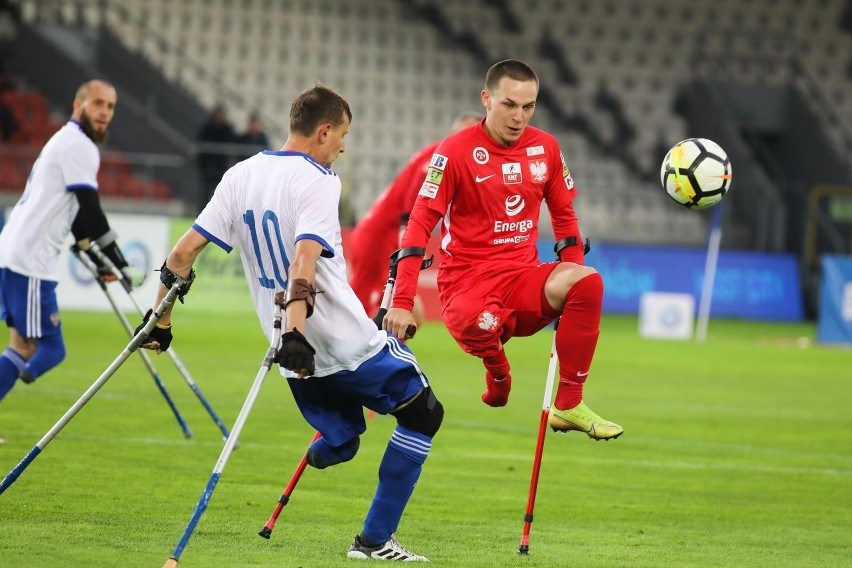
x=696 y=173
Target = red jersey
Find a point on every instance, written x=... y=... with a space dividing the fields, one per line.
x=399 y=196
x=376 y=235
x=488 y=197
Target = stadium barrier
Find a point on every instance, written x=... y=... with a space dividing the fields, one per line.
x=835 y=304
x=748 y=285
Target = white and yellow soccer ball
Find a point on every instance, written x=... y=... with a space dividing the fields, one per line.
x=696 y=173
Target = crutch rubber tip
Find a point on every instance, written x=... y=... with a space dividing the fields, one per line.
x=186 y=434
x=265 y=532
x=524 y=550
x=170 y=563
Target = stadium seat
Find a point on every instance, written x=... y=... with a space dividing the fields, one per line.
x=376 y=53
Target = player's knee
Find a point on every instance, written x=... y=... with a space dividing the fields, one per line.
x=423 y=415
x=589 y=288
x=320 y=455
x=565 y=276
x=52 y=349
x=49 y=353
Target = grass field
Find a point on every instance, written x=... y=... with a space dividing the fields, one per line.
x=737 y=452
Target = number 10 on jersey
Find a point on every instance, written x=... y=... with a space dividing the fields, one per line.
x=274 y=245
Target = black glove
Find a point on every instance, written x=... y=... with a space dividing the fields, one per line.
x=162 y=335
x=296 y=354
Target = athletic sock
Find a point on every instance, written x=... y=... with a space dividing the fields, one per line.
x=398 y=473
x=50 y=352
x=577 y=337
x=11 y=365
x=498 y=381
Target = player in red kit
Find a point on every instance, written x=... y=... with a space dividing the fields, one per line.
x=377 y=234
x=486 y=185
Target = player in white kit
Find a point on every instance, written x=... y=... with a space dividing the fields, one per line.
x=61 y=197
x=281 y=209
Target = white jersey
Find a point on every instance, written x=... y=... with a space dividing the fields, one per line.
x=41 y=220
x=264 y=205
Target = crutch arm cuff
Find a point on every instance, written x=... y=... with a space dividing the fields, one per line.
x=300 y=289
x=571 y=249
x=168 y=279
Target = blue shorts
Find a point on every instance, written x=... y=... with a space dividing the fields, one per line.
x=334 y=405
x=29 y=304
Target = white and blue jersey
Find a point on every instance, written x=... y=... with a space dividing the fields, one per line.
x=41 y=221
x=264 y=205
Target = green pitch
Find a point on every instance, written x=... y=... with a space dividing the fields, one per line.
x=735 y=453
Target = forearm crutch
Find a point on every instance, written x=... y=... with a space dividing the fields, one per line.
x=90 y=265
x=231 y=440
x=524 y=547
x=266 y=531
x=171 y=351
x=134 y=344
x=387 y=295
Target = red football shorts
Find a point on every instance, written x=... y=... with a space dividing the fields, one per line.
x=510 y=304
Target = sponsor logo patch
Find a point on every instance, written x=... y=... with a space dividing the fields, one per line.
x=511 y=240
x=480 y=155
x=535 y=150
x=438 y=162
x=512 y=173
x=514 y=205
x=508 y=226
x=428 y=189
x=569 y=181
x=434 y=175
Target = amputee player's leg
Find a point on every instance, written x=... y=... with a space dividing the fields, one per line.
x=337 y=417
x=480 y=323
x=575 y=292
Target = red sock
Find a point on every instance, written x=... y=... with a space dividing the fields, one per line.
x=497 y=364
x=577 y=337
x=497 y=367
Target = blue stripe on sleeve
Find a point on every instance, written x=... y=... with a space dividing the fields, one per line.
x=328 y=251
x=80 y=186
x=212 y=238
